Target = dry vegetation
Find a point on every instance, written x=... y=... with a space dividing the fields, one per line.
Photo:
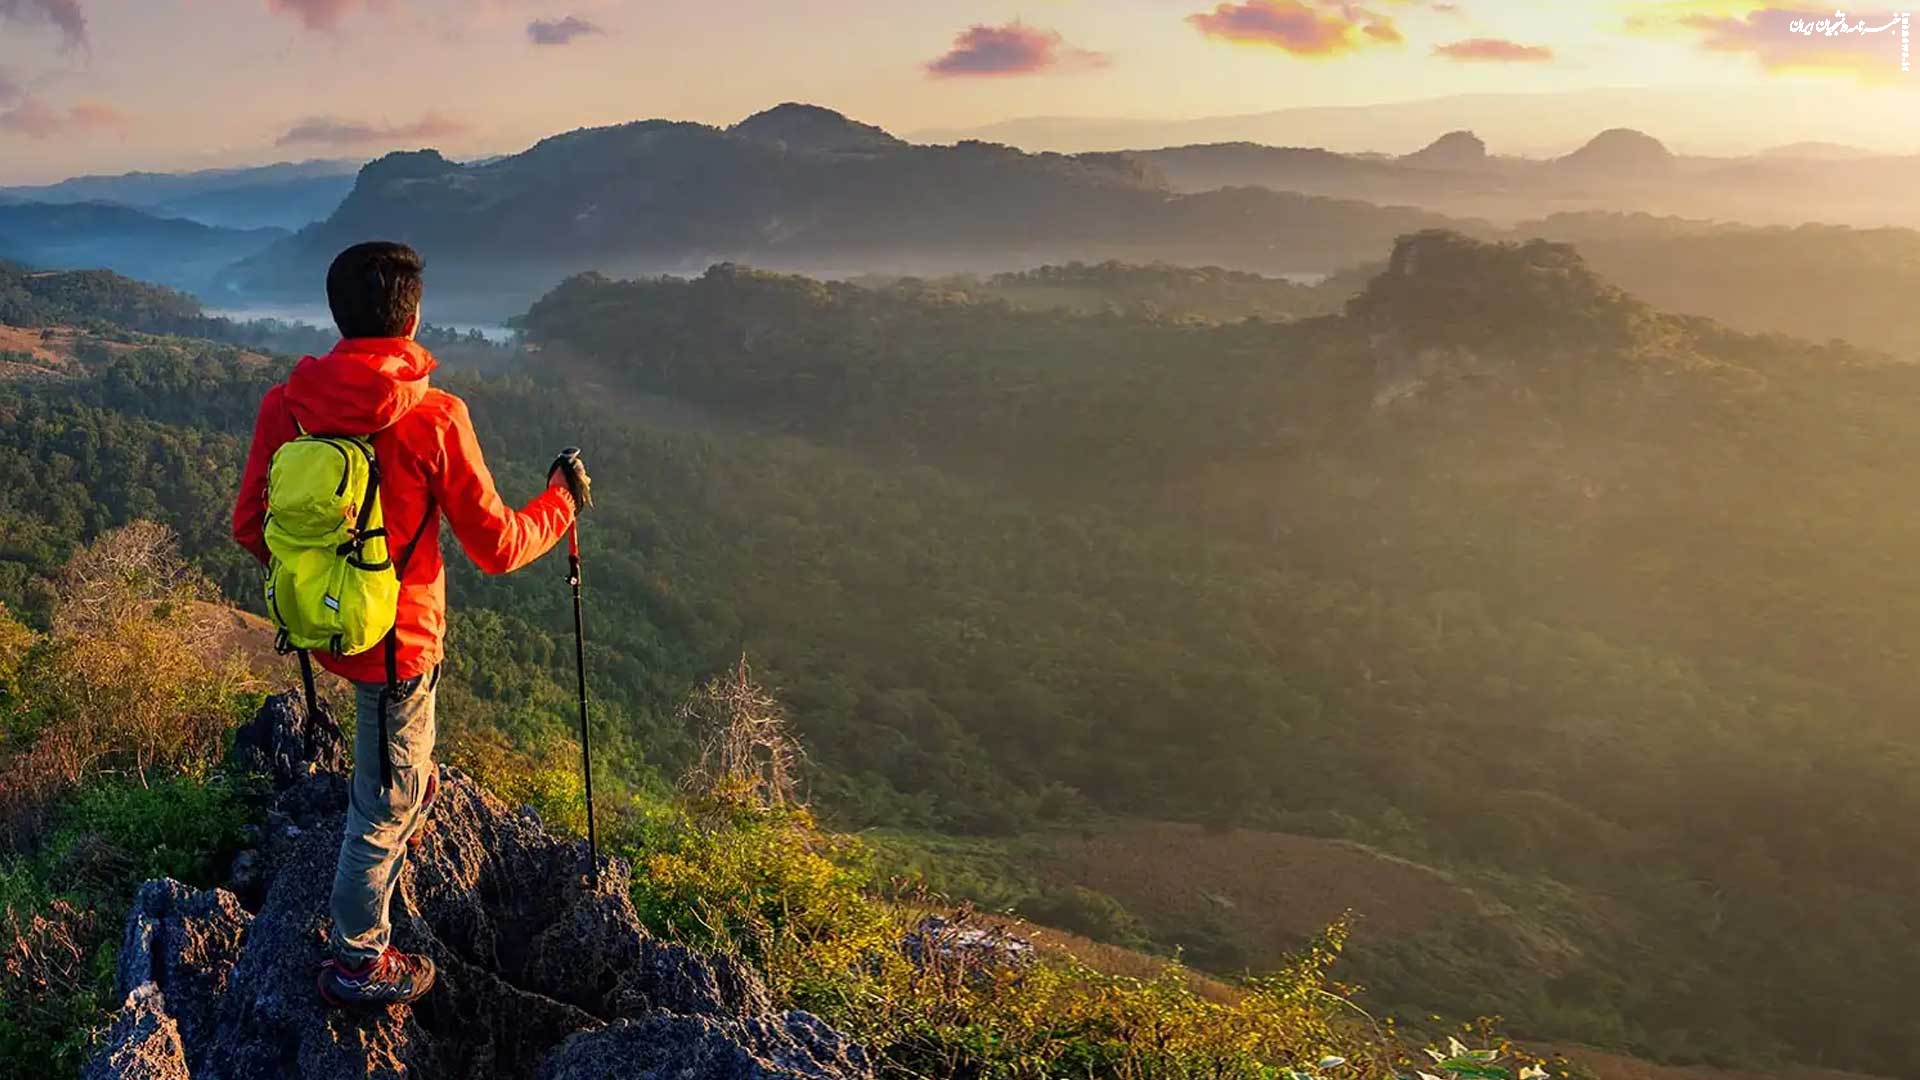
x=1270 y=890
x=118 y=686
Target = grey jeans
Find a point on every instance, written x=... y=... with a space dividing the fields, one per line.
x=373 y=847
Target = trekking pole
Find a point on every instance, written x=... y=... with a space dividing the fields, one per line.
x=580 y=666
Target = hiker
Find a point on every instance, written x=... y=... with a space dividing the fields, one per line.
x=370 y=397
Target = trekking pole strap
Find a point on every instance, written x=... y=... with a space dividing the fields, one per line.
x=388 y=697
x=313 y=700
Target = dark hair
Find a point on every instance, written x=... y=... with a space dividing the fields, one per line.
x=374 y=289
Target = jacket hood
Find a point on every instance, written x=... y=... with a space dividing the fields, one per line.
x=364 y=385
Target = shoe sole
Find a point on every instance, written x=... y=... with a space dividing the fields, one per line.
x=338 y=1003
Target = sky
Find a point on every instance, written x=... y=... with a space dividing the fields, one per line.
x=113 y=85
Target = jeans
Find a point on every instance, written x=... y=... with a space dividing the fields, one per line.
x=373 y=847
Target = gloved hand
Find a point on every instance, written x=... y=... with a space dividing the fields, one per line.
x=568 y=469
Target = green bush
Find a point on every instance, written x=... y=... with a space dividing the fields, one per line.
x=179 y=827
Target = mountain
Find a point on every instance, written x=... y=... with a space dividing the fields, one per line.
x=799 y=187
x=1454 y=150
x=1618 y=170
x=1534 y=124
x=286 y=195
x=170 y=251
x=1815 y=150
x=38 y=298
x=812 y=128
x=1820 y=282
x=1620 y=154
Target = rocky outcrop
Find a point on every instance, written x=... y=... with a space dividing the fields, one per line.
x=664 y=1047
x=143 y=1044
x=540 y=973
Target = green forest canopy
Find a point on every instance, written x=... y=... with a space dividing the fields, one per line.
x=1501 y=570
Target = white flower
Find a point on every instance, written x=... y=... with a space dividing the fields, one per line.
x=1332 y=1061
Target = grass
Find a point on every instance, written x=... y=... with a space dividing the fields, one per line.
x=808 y=908
x=61 y=907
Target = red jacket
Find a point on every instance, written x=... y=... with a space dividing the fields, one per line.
x=430 y=465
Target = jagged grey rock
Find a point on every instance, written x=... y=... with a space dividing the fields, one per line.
x=186 y=943
x=143 y=1044
x=661 y=1046
x=532 y=962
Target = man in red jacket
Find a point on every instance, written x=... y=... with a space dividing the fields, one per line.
x=374 y=382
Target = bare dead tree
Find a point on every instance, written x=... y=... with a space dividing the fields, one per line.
x=748 y=755
x=129 y=572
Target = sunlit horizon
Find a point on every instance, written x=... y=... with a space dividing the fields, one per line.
x=91 y=87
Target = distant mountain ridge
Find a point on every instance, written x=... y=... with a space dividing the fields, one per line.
x=285 y=195
x=171 y=251
x=800 y=187
x=1617 y=170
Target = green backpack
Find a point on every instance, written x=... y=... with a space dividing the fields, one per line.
x=331 y=584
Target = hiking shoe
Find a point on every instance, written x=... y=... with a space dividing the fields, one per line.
x=426 y=809
x=393 y=978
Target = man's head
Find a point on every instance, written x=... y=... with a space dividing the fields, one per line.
x=374 y=290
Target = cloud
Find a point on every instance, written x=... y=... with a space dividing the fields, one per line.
x=331 y=131
x=64 y=14
x=98 y=116
x=1300 y=27
x=1013 y=49
x=10 y=91
x=36 y=119
x=1767 y=35
x=560 y=31
x=1493 y=49
x=316 y=14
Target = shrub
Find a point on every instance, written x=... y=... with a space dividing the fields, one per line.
x=745 y=870
x=120 y=686
x=180 y=827
x=50 y=979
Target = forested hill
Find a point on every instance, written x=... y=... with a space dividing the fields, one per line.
x=1603 y=611
x=40 y=298
x=804 y=187
x=1504 y=568
x=172 y=251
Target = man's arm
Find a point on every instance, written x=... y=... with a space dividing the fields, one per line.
x=272 y=428
x=498 y=538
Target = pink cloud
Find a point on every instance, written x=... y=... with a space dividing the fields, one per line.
x=36 y=119
x=1498 y=50
x=1767 y=35
x=332 y=131
x=1013 y=49
x=98 y=116
x=1300 y=27
x=66 y=15
x=316 y=14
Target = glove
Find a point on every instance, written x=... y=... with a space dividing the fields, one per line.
x=570 y=470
